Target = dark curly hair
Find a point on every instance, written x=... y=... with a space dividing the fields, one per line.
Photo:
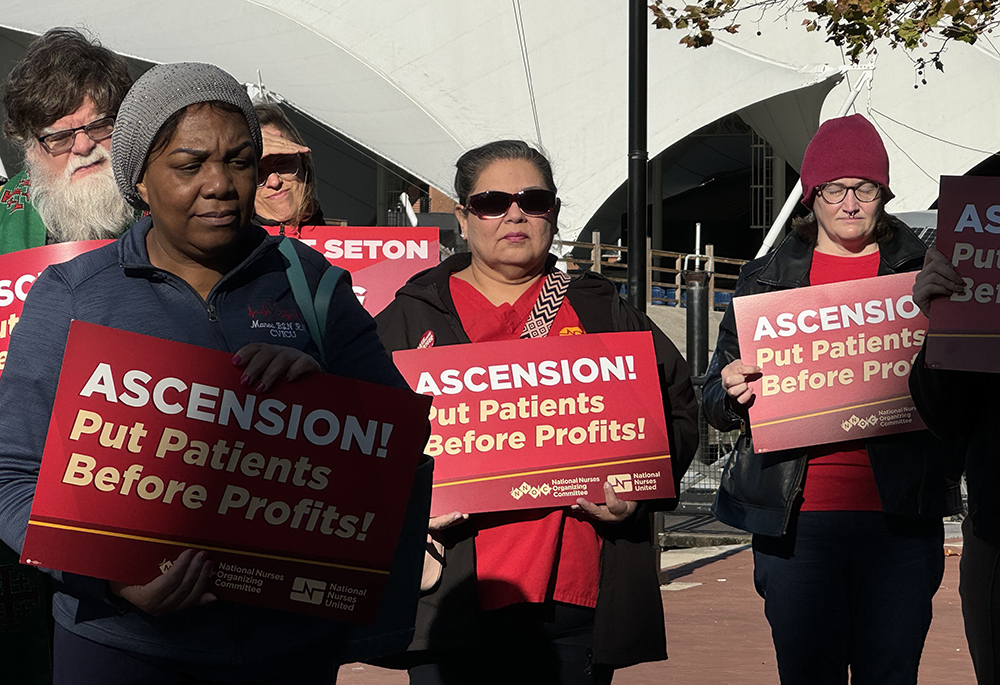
x=59 y=69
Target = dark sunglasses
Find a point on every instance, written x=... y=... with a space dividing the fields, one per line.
x=286 y=166
x=493 y=204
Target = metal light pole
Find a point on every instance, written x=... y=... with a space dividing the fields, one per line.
x=637 y=154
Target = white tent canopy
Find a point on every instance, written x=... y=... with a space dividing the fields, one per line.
x=421 y=83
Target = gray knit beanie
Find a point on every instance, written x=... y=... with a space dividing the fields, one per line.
x=154 y=98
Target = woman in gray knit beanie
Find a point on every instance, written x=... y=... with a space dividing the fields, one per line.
x=206 y=119
x=195 y=270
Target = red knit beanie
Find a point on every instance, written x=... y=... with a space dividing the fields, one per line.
x=846 y=147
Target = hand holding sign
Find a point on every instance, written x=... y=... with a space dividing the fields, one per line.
x=185 y=584
x=736 y=379
x=938 y=278
x=446 y=521
x=613 y=510
x=265 y=365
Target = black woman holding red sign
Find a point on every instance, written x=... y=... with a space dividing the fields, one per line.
x=546 y=596
x=848 y=537
x=186 y=146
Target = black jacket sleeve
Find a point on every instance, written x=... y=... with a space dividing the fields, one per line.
x=720 y=410
x=948 y=401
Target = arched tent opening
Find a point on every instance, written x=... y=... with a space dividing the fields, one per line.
x=418 y=88
x=731 y=176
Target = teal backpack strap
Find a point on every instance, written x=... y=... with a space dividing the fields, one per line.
x=314 y=311
x=324 y=292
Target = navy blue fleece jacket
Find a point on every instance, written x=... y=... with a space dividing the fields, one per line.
x=117 y=286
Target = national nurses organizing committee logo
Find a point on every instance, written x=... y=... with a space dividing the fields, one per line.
x=308 y=591
x=854 y=421
x=534 y=491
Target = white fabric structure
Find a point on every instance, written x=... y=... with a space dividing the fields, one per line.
x=419 y=83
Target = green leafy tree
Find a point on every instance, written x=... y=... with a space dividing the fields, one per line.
x=854 y=25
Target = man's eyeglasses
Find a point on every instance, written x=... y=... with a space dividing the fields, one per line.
x=63 y=141
x=834 y=193
x=494 y=204
x=286 y=166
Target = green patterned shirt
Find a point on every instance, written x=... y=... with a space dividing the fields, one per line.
x=20 y=225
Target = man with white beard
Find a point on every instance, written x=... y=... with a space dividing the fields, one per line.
x=61 y=101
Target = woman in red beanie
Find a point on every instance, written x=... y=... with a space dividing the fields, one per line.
x=847 y=536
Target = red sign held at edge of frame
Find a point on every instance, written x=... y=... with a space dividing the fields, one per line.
x=964 y=330
x=18 y=270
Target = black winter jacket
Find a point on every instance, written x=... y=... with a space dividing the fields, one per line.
x=916 y=474
x=962 y=406
x=629 y=625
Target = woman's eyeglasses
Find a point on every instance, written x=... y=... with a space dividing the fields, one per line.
x=286 y=166
x=493 y=204
x=63 y=141
x=834 y=193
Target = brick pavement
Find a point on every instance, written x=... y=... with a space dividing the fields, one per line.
x=717 y=634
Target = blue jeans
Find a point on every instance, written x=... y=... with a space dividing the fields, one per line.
x=849 y=590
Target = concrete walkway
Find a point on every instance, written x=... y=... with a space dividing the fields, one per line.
x=717 y=634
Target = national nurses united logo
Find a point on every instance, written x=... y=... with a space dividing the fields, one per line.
x=621 y=482
x=308 y=591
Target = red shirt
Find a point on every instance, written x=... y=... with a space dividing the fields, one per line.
x=529 y=555
x=840 y=477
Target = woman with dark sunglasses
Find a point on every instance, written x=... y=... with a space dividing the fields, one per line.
x=286 y=180
x=847 y=537
x=537 y=596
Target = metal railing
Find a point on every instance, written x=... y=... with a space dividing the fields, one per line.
x=665 y=285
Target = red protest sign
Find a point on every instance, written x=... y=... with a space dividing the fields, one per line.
x=964 y=330
x=18 y=271
x=538 y=423
x=380 y=258
x=297 y=495
x=835 y=361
